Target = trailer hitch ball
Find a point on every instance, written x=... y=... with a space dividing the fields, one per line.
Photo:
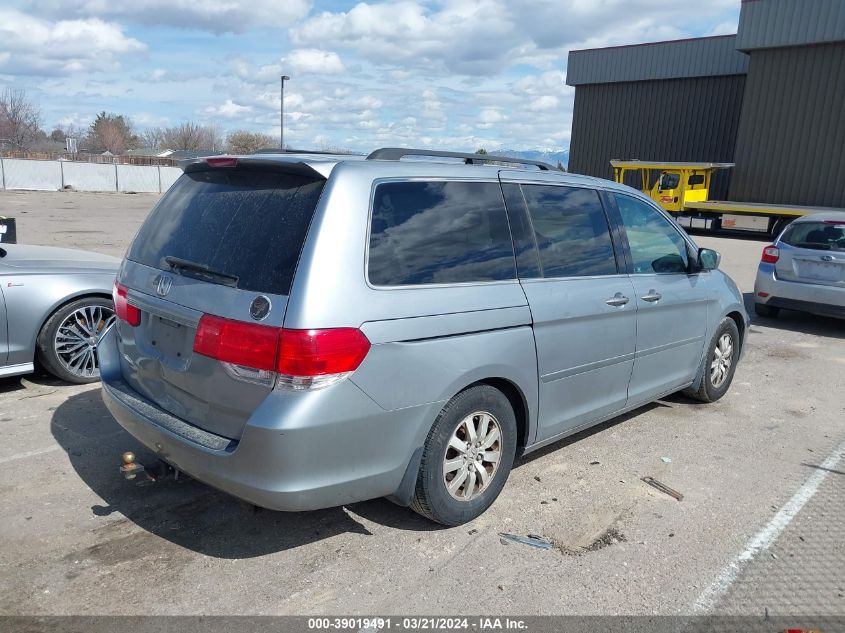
x=130 y=468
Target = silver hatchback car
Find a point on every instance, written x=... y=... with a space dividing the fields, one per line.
x=308 y=331
x=804 y=269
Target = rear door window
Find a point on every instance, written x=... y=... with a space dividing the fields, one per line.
x=246 y=224
x=573 y=237
x=439 y=232
x=655 y=245
x=822 y=236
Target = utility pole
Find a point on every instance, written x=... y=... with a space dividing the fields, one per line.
x=282 y=113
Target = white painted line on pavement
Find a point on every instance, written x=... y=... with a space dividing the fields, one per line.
x=766 y=536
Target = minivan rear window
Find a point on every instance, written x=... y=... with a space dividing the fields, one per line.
x=439 y=232
x=246 y=224
x=823 y=236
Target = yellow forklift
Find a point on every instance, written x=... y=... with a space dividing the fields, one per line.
x=683 y=189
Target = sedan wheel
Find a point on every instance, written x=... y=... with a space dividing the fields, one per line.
x=67 y=344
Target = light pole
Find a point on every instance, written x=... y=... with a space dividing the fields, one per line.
x=282 y=113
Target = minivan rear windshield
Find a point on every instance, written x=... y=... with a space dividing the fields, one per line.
x=825 y=236
x=247 y=226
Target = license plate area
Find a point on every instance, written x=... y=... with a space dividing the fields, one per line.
x=821 y=271
x=169 y=339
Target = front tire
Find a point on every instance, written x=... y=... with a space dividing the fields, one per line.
x=720 y=363
x=467 y=457
x=66 y=344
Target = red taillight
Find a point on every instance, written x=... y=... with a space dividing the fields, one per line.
x=301 y=353
x=770 y=254
x=222 y=161
x=321 y=352
x=123 y=309
x=246 y=344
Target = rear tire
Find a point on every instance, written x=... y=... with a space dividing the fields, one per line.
x=767 y=312
x=451 y=488
x=719 y=364
x=66 y=344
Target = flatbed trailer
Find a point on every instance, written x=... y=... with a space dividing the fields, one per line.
x=683 y=189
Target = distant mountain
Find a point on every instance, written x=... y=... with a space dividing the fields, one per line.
x=547 y=156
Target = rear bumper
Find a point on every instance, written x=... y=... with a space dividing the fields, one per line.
x=792 y=295
x=298 y=451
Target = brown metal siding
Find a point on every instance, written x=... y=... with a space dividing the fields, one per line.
x=673 y=120
x=791 y=142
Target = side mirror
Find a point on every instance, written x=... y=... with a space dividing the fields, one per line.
x=708 y=259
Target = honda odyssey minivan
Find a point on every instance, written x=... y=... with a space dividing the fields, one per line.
x=306 y=331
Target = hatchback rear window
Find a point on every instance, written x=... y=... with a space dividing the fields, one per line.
x=439 y=232
x=245 y=225
x=824 y=236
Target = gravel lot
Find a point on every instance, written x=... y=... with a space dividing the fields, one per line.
x=760 y=472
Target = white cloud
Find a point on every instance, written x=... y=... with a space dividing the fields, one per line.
x=32 y=46
x=313 y=60
x=546 y=102
x=456 y=74
x=489 y=117
x=481 y=37
x=228 y=110
x=218 y=16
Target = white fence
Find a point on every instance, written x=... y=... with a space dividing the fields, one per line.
x=53 y=175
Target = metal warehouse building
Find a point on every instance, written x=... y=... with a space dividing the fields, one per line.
x=770 y=99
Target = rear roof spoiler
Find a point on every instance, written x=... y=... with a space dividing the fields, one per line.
x=291 y=166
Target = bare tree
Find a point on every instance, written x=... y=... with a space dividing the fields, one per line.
x=245 y=142
x=154 y=138
x=193 y=136
x=20 y=119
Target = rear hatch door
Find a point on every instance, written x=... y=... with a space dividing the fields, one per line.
x=813 y=252
x=223 y=241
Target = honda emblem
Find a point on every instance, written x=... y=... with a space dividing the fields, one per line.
x=165 y=282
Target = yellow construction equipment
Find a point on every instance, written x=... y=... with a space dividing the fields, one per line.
x=683 y=189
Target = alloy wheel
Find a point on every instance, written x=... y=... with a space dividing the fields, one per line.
x=472 y=455
x=76 y=339
x=722 y=359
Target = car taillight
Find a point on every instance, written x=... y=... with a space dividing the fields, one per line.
x=124 y=310
x=302 y=359
x=236 y=342
x=770 y=254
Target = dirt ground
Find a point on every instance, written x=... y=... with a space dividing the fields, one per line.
x=760 y=526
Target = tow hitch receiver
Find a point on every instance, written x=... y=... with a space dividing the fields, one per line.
x=132 y=468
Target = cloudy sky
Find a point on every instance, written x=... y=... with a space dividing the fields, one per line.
x=458 y=74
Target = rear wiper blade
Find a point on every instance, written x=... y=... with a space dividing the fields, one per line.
x=200 y=271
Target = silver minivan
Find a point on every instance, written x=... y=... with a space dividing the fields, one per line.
x=306 y=331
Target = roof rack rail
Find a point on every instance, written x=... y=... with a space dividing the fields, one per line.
x=397 y=153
